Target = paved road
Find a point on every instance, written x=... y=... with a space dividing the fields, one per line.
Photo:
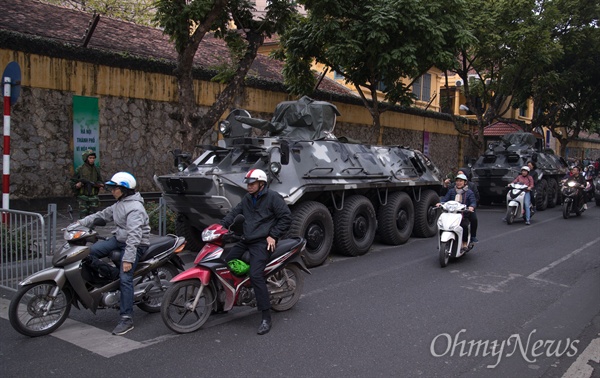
x=525 y=303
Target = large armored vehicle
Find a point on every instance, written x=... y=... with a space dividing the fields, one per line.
x=502 y=162
x=341 y=194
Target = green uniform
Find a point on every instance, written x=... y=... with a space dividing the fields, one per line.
x=87 y=195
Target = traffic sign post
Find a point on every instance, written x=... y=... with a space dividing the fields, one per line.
x=11 y=79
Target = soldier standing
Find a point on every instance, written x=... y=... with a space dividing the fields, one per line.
x=86 y=184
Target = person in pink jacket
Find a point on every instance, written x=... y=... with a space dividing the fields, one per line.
x=525 y=178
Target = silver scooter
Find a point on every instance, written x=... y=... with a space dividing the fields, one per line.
x=44 y=299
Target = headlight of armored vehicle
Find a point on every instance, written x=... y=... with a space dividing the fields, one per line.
x=275 y=167
x=225 y=128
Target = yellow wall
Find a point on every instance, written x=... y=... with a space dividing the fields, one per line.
x=88 y=79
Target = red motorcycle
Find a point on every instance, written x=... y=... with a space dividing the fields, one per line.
x=210 y=285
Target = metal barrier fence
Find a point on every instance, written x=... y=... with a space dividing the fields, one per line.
x=26 y=241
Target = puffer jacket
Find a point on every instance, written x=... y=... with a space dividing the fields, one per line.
x=131 y=221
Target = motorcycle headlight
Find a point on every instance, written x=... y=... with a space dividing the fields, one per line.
x=209 y=235
x=572 y=184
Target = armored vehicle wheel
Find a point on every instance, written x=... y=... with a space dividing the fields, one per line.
x=541 y=199
x=355 y=226
x=553 y=193
x=395 y=219
x=191 y=234
x=425 y=214
x=312 y=221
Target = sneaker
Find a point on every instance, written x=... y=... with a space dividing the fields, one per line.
x=474 y=239
x=125 y=325
x=585 y=206
x=527 y=223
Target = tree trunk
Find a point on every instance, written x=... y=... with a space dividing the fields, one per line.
x=255 y=40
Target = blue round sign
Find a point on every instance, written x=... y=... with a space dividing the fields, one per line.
x=13 y=71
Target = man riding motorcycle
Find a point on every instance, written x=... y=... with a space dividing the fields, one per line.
x=577 y=177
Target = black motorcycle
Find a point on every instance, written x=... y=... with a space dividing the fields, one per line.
x=573 y=201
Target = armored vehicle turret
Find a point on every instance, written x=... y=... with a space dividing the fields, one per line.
x=502 y=162
x=341 y=194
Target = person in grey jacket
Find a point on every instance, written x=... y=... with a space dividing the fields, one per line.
x=131 y=237
x=267 y=218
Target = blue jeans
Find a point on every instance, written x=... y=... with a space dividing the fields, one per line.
x=527 y=204
x=102 y=249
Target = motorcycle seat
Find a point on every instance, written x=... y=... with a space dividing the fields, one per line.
x=283 y=246
x=156 y=247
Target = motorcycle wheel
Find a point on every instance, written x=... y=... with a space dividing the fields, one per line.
x=510 y=216
x=152 y=300
x=566 y=209
x=27 y=308
x=445 y=252
x=176 y=311
x=289 y=278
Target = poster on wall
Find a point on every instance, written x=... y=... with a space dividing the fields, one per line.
x=426 y=143
x=85 y=128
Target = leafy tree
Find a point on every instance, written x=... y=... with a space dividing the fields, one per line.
x=374 y=44
x=188 y=21
x=566 y=91
x=513 y=41
x=140 y=12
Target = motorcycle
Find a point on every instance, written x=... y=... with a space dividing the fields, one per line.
x=515 y=203
x=450 y=232
x=573 y=200
x=210 y=286
x=44 y=299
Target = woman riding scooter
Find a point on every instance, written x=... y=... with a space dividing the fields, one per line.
x=525 y=179
x=461 y=193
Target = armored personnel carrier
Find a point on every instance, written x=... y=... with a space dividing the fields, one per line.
x=502 y=162
x=341 y=194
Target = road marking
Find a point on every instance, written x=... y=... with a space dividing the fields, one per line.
x=520 y=229
x=580 y=368
x=91 y=338
x=534 y=275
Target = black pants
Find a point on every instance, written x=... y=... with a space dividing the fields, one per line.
x=472 y=217
x=259 y=257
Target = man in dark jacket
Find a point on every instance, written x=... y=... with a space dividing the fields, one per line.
x=267 y=218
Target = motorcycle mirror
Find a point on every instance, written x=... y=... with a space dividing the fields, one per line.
x=237 y=224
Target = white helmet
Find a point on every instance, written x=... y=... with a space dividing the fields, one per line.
x=124 y=179
x=525 y=168
x=461 y=177
x=255 y=175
